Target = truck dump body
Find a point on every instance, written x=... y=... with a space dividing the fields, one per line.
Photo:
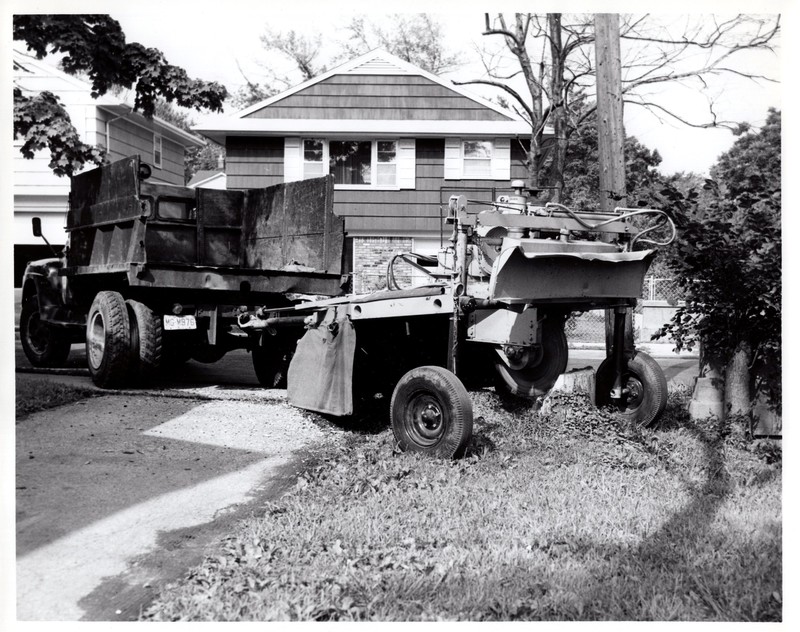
x=283 y=238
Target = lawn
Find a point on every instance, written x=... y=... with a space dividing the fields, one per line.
x=572 y=516
x=34 y=395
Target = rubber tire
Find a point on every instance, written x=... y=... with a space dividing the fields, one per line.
x=654 y=388
x=146 y=341
x=445 y=392
x=271 y=359
x=108 y=318
x=51 y=348
x=537 y=380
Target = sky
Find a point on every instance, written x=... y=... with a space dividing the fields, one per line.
x=221 y=45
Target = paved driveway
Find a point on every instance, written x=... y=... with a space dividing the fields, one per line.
x=120 y=494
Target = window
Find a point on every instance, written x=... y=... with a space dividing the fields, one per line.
x=477 y=158
x=313 y=158
x=157 y=150
x=357 y=163
x=387 y=163
x=354 y=164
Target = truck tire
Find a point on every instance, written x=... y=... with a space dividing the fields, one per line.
x=535 y=381
x=108 y=340
x=146 y=341
x=43 y=344
x=271 y=361
x=431 y=412
x=646 y=386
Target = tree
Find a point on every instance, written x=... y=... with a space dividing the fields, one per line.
x=415 y=38
x=195 y=159
x=582 y=170
x=543 y=65
x=727 y=260
x=95 y=45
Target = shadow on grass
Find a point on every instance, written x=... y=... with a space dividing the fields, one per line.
x=672 y=550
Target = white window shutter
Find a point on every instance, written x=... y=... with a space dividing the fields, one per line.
x=501 y=159
x=453 y=160
x=292 y=159
x=407 y=163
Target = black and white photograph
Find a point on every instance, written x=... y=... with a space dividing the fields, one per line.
x=401 y=313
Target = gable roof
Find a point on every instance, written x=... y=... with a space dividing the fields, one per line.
x=378 y=62
x=376 y=93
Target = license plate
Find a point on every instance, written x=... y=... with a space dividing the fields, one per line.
x=172 y=323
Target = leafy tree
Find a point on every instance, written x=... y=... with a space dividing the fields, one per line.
x=95 y=46
x=728 y=262
x=582 y=169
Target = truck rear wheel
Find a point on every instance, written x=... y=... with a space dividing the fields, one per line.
x=108 y=340
x=644 y=389
x=146 y=340
x=271 y=359
x=42 y=343
x=431 y=412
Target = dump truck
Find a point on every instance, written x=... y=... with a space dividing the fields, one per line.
x=493 y=313
x=155 y=274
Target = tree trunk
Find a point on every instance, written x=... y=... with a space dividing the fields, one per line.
x=737 y=381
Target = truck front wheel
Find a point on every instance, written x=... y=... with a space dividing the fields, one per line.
x=431 y=412
x=108 y=340
x=43 y=344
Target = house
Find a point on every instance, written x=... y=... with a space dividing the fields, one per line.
x=399 y=142
x=106 y=121
x=208 y=179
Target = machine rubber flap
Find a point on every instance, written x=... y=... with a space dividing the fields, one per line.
x=320 y=375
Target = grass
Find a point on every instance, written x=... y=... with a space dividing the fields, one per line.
x=36 y=395
x=567 y=517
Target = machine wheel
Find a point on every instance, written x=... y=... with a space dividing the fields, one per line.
x=146 y=340
x=537 y=380
x=644 y=387
x=43 y=344
x=271 y=358
x=431 y=412
x=108 y=340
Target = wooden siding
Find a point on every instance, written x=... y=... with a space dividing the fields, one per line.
x=258 y=162
x=378 y=97
x=129 y=139
x=252 y=163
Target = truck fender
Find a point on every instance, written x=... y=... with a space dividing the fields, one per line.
x=41 y=280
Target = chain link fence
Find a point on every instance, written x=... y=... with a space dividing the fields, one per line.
x=590 y=327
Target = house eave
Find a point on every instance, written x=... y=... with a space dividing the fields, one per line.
x=332 y=128
x=160 y=126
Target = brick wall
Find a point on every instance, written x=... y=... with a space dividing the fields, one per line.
x=371 y=255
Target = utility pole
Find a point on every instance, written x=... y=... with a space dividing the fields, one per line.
x=610 y=136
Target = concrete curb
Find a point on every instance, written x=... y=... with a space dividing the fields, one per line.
x=655 y=350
